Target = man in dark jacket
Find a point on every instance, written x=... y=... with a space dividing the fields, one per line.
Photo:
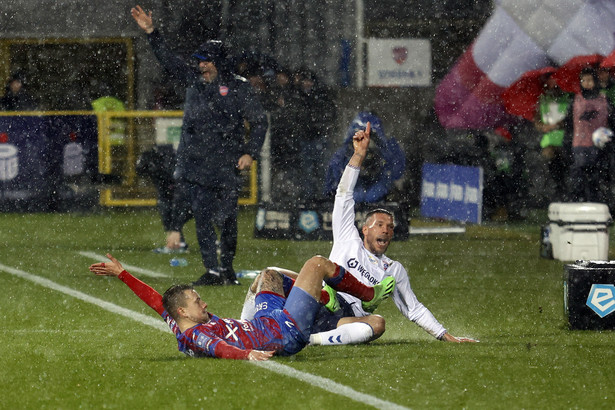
x=16 y=98
x=212 y=148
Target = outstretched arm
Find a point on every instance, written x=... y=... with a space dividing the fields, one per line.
x=146 y=293
x=225 y=351
x=447 y=337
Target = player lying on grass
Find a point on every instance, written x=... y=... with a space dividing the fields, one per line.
x=280 y=326
x=352 y=330
x=365 y=259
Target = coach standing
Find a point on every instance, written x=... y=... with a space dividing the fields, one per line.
x=212 y=148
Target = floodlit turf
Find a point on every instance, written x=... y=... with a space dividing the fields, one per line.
x=59 y=351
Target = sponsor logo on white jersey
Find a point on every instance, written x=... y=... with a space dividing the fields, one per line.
x=353 y=263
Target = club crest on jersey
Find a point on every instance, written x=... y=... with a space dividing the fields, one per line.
x=202 y=340
x=223 y=90
x=385 y=265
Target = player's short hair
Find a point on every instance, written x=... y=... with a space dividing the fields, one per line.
x=378 y=211
x=174 y=298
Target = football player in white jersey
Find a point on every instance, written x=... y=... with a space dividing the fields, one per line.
x=365 y=259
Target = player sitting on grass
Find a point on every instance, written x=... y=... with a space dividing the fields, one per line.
x=365 y=259
x=280 y=326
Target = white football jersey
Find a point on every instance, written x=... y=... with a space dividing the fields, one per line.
x=348 y=251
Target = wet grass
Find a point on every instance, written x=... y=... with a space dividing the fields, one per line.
x=58 y=351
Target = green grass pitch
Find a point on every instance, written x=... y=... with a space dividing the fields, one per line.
x=58 y=350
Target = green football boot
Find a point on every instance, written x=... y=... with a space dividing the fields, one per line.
x=333 y=305
x=381 y=292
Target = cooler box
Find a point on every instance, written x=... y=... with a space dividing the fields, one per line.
x=579 y=231
x=589 y=295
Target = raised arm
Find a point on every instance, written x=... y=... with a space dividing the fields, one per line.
x=143 y=19
x=146 y=293
x=360 y=143
x=174 y=65
x=343 y=224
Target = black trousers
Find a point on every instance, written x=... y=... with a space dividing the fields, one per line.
x=215 y=208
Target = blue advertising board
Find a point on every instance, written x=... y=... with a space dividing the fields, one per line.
x=41 y=155
x=23 y=168
x=452 y=192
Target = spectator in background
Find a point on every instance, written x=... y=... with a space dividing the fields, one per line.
x=158 y=164
x=212 y=147
x=504 y=175
x=287 y=112
x=551 y=111
x=316 y=125
x=385 y=162
x=166 y=96
x=173 y=203
x=589 y=170
x=607 y=85
x=104 y=101
x=16 y=97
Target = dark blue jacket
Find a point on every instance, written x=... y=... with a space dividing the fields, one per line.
x=213 y=131
x=385 y=162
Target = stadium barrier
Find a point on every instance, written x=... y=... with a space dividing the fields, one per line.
x=305 y=222
x=53 y=157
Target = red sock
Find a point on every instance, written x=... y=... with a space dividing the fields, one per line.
x=343 y=281
x=324 y=297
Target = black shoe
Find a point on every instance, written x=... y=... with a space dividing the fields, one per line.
x=210 y=278
x=229 y=276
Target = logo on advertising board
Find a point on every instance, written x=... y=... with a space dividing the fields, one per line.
x=398 y=62
x=9 y=162
x=400 y=54
x=308 y=221
x=601 y=299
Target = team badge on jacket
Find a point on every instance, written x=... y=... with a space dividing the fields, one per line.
x=223 y=90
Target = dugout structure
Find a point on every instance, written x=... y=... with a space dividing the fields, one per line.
x=124 y=135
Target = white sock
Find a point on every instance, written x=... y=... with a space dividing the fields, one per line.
x=348 y=334
x=249 y=310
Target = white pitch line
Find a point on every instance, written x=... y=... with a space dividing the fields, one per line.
x=328 y=385
x=148 y=320
x=131 y=268
x=316 y=381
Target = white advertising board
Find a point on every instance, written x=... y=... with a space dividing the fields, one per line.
x=398 y=62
